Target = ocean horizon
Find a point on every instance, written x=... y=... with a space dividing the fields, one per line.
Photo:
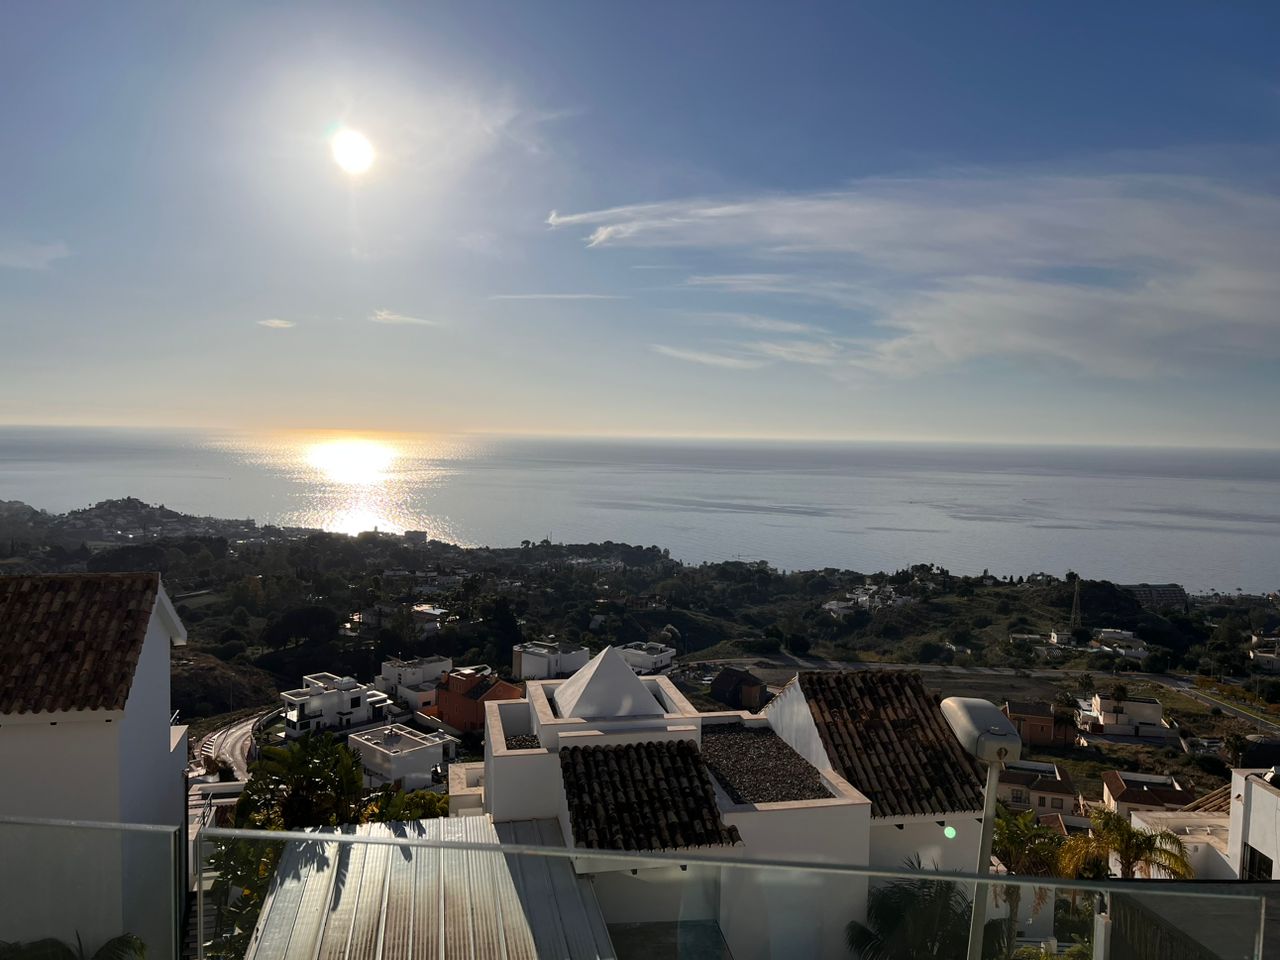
x=1206 y=518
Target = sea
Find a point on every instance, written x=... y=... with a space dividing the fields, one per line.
x=1208 y=519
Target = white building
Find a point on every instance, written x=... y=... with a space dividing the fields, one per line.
x=547 y=659
x=1205 y=836
x=412 y=682
x=843 y=721
x=1130 y=717
x=647 y=657
x=86 y=734
x=575 y=748
x=1254 y=844
x=777 y=785
x=329 y=702
x=1267 y=661
x=427 y=618
x=402 y=756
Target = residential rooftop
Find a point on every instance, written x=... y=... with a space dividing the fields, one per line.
x=885 y=734
x=397 y=738
x=755 y=765
x=642 y=796
x=72 y=641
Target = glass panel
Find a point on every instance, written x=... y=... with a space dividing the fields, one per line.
x=92 y=881
x=445 y=888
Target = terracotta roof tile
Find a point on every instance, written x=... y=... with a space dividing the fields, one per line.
x=72 y=641
x=886 y=735
x=1215 y=801
x=642 y=796
x=1124 y=790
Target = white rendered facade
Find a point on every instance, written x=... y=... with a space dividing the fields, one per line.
x=412 y=682
x=329 y=702
x=400 y=754
x=1132 y=717
x=647 y=657
x=1254 y=838
x=547 y=659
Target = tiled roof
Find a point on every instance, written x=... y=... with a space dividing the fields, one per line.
x=642 y=796
x=1139 y=791
x=886 y=735
x=1215 y=801
x=72 y=641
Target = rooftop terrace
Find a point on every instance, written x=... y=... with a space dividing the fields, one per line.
x=755 y=765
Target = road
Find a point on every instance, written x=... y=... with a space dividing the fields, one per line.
x=1178 y=684
x=230 y=744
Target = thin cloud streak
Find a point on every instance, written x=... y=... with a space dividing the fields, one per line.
x=399 y=319
x=555 y=296
x=22 y=255
x=707 y=359
x=275 y=323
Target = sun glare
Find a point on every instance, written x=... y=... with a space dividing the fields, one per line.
x=352 y=151
x=352 y=461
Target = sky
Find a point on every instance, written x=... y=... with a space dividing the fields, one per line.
x=1053 y=223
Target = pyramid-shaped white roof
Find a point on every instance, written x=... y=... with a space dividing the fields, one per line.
x=605 y=687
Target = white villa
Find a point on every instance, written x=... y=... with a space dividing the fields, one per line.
x=1130 y=717
x=647 y=657
x=329 y=702
x=412 y=682
x=400 y=755
x=547 y=659
x=86 y=734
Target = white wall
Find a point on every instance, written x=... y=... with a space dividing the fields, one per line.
x=523 y=786
x=1255 y=819
x=780 y=912
x=789 y=715
x=68 y=762
x=890 y=847
x=152 y=783
x=657 y=894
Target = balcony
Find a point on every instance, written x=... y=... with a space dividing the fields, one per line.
x=468 y=887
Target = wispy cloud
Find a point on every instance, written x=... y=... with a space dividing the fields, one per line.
x=1118 y=274
x=555 y=296
x=752 y=321
x=275 y=323
x=22 y=255
x=708 y=359
x=391 y=317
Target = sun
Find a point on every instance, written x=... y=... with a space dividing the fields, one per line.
x=352 y=151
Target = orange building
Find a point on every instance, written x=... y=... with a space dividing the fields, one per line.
x=462 y=694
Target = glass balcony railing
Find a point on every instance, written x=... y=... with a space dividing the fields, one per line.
x=90 y=883
x=464 y=887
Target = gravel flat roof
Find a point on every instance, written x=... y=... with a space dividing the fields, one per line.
x=755 y=765
x=523 y=742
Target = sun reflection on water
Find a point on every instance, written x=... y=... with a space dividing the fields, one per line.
x=350 y=483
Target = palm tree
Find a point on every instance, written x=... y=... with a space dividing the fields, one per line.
x=313 y=782
x=1026 y=848
x=1135 y=849
x=919 y=919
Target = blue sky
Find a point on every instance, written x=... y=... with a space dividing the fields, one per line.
x=994 y=222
